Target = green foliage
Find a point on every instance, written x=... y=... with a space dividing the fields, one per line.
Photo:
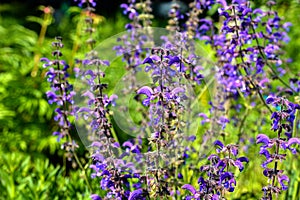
x=28 y=177
x=24 y=109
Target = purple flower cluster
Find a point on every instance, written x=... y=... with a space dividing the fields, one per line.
x=133 y=47
x=166 y=99
x=273 y=149
x=242 y=58
x=219 y=176
x=104 y=147
x=108 y=163
x=164 y=93
x=61 y=94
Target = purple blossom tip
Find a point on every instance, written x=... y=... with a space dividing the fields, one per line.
x=189 y=188
x=96 y=144
x=95 y=197
x=145 y=90
x=127 y=144
x=116 y=145
x=136 y=195
x=282 y=179
x=239 y=164
x=243 y=159
x=177 y=90
x=262 y=138
x=180 y=176
x=124 y=5
x=293 y=141
x=148 y=60
x=219 y=143
x=44 y=60
x=270 y=99
x=192 y=138
x=226 y=175
x=106 y=62
x=173 y=60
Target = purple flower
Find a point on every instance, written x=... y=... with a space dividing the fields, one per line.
x=136 y=195
x=262 y=138
x=239 y=163
x=189 y=188
x=61 y=92
x=89 y=2
x=173 y=60
x=219 y=143
x=291 y=142
x=219 y=179
x=281 y=180
x=282 y=120
x=179 y=176
x=148 y=92
x=95 y=197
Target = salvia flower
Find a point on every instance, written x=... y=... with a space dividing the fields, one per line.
x=165 y=98
x=61 y=94
x=219 y=177
x=274 y=150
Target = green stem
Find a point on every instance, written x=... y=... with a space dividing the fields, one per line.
x=83 y=171
x=242 y=124
x=294 y=133
x=46 y=22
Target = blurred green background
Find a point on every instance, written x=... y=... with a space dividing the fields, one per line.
x=32 y=166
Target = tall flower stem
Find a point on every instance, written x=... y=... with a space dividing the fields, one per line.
x=242 y=124
x=277 y=146
x=62 y=93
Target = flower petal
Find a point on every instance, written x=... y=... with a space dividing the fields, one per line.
x=148 y=60
x=262 y=138
x=177 y=90
x=281 y=179
x=219 y=143
x=189 y=187
x=136 y=194
x=243 y=159
x=293 y=141
x=173 y=60
x=270 y=99
x=145 y=90
x=95 y=197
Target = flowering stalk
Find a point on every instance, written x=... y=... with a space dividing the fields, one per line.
x=113 y=168
x=165 y=99
x=61 y=94
x=282 y=121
